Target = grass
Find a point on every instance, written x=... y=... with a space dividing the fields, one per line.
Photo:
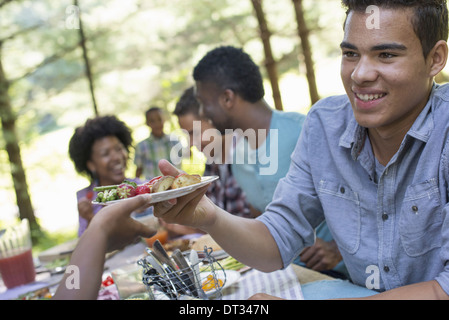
x=46 y=239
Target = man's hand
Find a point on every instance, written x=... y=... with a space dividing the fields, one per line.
x=321 y=256
x=264 y=296
x=194 y=209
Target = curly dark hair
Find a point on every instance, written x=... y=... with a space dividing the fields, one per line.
x=80 y=145
x=187 y=104
x=231 y=68
x=430 y=22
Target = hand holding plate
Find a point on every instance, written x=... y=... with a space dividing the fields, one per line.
x=194 y=209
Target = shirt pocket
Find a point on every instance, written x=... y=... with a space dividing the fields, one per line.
x=421 y=218
x=343 y=214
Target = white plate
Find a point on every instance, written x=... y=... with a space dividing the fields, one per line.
x=229 y=277
x=169 y=194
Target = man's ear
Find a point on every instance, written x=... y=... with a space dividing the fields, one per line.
x=228 y=98
x=438 y=57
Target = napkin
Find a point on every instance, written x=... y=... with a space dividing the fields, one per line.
x=282 y=283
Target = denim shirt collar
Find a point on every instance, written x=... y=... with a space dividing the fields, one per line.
x=423 y=126
x=355 y=135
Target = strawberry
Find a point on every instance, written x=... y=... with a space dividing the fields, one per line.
x=127 y=189
x=107 y=282
x=143 y=188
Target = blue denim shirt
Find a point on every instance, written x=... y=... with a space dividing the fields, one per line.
x=393 y=223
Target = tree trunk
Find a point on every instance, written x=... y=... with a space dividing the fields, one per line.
x=86 y=60
x=270 y=63
x=303 y=33
x=8 y=120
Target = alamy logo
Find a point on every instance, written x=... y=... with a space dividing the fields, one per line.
x=72 y=281
x=373 y=280
x=373 y=20
x=72 y=20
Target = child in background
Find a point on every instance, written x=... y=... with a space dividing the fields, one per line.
x=154 y=148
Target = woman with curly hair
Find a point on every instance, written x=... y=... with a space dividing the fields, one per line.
x=99 y=150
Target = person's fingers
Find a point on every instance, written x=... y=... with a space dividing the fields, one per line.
x=173 y=206
x=134 y=203
x=306 y=254
x=85 y=209
x=84 y=204
x=128 y=206
x=314 y=263
x=168 y=169
x=170 y=213
x=161 y=208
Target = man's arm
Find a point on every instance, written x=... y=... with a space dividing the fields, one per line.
x=247 y=240
x=429 y=290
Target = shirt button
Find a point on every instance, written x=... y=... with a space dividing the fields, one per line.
x=415 y=209
x=385 y=217
x=342 y=190
x=387 y=269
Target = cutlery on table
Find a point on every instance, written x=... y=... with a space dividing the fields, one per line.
x=194 y=264
x=186 y=271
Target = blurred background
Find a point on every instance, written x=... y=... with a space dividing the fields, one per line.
x=64 y=61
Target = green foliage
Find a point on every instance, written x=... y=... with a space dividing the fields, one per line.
x=46 y=240
x=141 y=52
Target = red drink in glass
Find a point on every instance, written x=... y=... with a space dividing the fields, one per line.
x=17 y=269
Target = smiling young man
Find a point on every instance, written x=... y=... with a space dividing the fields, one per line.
x=374 y=163
x=387 y=74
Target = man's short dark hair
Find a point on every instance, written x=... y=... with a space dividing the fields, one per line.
x=187 y=104
x=80 y=145
x=430 y=22
x=231 y=68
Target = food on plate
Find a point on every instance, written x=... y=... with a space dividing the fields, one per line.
x=162 y=184
x=228 y=263
x=161 y=235
x=142 y=189
x=184 y=180
x=40 y=294
x=211 y=283
x=129 y=189
x=181 y=244
x=126 y=189
x=169 y=245
x=205 y=241
x=107 y=282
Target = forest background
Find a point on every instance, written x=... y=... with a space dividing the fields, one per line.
x=64 y=61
